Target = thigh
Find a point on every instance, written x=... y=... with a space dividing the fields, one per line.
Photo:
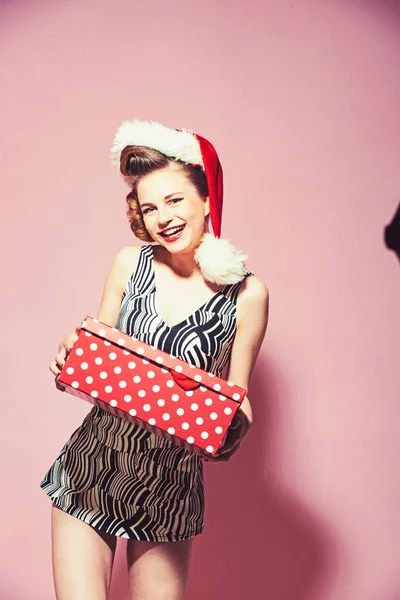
x=82 y=558
x=158 y=570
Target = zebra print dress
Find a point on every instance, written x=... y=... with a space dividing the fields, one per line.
x=124 y=480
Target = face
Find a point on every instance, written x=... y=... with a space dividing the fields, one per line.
x=173 y=212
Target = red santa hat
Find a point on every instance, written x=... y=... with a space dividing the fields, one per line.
x=219 y=261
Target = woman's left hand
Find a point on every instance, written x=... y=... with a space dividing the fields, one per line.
x=238 y=429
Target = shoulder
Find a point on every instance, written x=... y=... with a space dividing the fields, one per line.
x=127 y=254
x=125 y=262
x=253 y=298
x=252 y=287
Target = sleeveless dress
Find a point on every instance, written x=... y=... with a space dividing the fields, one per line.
x=124 y=480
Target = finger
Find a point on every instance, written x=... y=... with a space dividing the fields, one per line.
x=232 y=451
x=60 y=360
x=61 y=348
x=228 y=448
x=231 y=439
x=64 y=349
x=54 y=368
x=225 y=456
x=242 y=419
x=236 y=421
x=222 y=455
x=71 y=342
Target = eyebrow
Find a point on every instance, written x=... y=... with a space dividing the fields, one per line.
x=166 y=198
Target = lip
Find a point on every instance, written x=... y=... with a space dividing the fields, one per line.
x=173 y=237
x=173 y=227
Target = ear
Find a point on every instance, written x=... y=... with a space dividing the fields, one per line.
x=206 y=202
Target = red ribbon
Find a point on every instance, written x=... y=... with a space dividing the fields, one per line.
x=185 y=382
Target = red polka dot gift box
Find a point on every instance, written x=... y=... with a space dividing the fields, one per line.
x=150 y=387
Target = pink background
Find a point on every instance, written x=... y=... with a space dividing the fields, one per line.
x=301 y=100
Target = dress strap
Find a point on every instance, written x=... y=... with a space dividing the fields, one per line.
x=141 y=280
x=231 y=290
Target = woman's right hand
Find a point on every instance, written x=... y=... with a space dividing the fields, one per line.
x=63 y=350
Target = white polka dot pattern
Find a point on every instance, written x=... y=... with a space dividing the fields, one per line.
x=166 y=395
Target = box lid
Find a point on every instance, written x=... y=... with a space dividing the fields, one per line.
x=180 y=370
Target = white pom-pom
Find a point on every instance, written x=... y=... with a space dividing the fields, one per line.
x=220 y=261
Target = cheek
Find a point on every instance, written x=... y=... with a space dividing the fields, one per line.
x=149 y=220
x=193 y=219
x=194 y=214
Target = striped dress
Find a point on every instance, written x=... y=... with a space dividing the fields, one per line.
x=124 y=480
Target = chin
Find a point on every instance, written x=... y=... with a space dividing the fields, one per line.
x=178 y=245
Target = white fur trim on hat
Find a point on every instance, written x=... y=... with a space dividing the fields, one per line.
x=182 y=145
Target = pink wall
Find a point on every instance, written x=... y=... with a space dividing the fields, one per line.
x=301 y=100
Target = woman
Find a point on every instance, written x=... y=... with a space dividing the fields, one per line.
x=189 y=294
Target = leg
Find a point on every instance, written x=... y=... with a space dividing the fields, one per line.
x=82 y=558
x=158 y=570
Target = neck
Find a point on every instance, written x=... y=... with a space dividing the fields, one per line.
x=183 y=263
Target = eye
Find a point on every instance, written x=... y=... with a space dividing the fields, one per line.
x=150 y=208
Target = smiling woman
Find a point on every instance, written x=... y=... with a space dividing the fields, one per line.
x=189 y=293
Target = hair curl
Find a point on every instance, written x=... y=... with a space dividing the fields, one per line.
x=138 y=161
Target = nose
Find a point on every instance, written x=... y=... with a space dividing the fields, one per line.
x=164 y=216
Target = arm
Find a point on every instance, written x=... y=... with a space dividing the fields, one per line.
x=122 y=267
x=252 y=319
